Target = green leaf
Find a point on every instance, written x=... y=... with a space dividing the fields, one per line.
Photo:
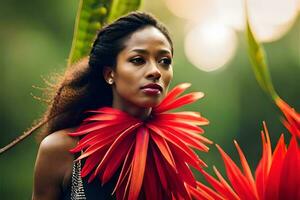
x=259 y=62
x=91 y=16
x=121 y=7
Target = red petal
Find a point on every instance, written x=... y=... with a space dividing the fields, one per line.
x=91 y=162
x=186 y=99
x=184 y=171
x=126 y=167
x=188 y=138
x=237 y=179
x=85 y=129
x=264 y=165
x=228 y=191
x=179 y=146
x=289 y=187
x=204 y=192
x=153 y=190
x=160 y=166
x=139 y=162
x=111 y=116
x=179 y=125
x=188 y=117
x=272 y=188
x=293 y=118
x=109 y=110
x=177 y=185
x=94 y=148
x=114 y=145
x=217 y=185
x=246 y=168
x=116 y=159
x=164 y=148
x=99 y=135
x=173 y=94
x=101 y=117
x=183 y=131
x=199 y=194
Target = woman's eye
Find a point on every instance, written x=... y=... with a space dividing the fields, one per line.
x=166 y=61
x=137 y=61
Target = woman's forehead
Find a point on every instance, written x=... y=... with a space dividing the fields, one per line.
x=149 y=35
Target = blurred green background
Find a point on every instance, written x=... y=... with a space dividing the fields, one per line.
x=35 y=39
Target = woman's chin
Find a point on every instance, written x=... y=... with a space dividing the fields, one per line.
x=150 y=103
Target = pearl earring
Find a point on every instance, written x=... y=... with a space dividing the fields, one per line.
x=110 y=81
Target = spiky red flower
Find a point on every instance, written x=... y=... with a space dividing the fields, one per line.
x=292 y=118
x=153 y=155
x=277 y=175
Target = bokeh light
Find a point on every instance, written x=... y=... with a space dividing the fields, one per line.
x=212 y=43
x=210 y=46
x=231 y=13
x=271 y=19
x=192 y=10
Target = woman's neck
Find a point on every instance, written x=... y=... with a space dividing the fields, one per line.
x=135 y=111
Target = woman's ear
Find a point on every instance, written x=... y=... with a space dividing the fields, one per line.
x=108 y=74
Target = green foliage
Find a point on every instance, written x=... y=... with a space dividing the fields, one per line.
x=259 y=63
x=121 y=7
x=91 y=16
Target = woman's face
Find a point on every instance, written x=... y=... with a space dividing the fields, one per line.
x=144 y=69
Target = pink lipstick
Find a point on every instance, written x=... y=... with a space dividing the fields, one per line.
x=152 y=89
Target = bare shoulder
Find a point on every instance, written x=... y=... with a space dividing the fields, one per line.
x=53 y=165
x=59 y=142
x=54 y=151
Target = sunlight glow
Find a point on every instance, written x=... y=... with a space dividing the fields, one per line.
x=210 y=46
x=192 y=10
x=231 y=13
x=271 y=19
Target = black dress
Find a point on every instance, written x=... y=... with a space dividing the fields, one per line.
x=80 y=189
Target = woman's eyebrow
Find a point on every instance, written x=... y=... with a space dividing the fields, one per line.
x=141 y=51
x=144 y=51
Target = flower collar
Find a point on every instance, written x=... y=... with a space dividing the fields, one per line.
x=154 y=155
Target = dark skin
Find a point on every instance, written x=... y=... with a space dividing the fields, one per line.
x=145 y=59
x=53 y=167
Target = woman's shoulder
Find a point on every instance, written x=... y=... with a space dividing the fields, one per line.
x=54 y=151
x=53 y=166
x=59 y=141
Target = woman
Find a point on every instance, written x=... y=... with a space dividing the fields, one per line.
x=130 y=69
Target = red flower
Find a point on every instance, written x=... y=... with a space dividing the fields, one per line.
x=277 y=175
x=153 y=155
x=292 y=118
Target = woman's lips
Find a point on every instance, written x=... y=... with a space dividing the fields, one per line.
x=152 y=89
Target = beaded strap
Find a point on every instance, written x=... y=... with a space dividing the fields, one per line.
x=77 y=190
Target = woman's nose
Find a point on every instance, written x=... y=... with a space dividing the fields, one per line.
x=153 y=72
